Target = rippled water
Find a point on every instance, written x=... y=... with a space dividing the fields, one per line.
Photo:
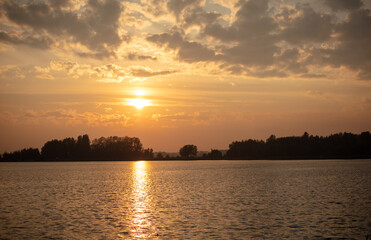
x=186 y=200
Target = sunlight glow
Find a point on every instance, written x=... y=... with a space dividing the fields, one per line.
x=139 y=92
x=139 y=103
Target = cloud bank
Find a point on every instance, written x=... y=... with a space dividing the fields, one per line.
x=258 y=38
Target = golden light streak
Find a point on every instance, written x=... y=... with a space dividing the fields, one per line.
x=141 y=226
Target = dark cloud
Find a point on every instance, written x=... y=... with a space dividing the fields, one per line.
x=289 y=60
x=308 y=26
x=253 y=31
x=177 y=6
x=277 y=43
x=104 y=53
x=353 y=49
x=252 y=22
x=337 y=5
x=135 y=56
x=156 y=7
x=264 y=73
x=198 y=17
x=95 y=26
x=234 y=69
x=253 y=19
x=260 y=40
x=256 y=52
x=60 y=3
x=29 y=40
x=186 y=50
x=312 y=75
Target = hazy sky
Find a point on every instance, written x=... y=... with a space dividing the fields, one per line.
x=203 y=72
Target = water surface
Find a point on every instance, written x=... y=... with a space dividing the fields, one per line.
x=186 y=200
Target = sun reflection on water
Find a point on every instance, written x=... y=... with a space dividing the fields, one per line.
x=140 y=223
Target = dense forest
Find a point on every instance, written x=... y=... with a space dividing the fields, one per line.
x=68 y=149
x=340 y=145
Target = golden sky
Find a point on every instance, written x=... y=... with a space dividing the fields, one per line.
x=175 y=72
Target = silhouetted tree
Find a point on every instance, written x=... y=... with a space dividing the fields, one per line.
x=117 y=148
x=250 y=149
x=159 y=156
x=29 y=154
x=148 y=154
x=53 y=150
x=69 y=148
x=215 y=154
x=188 y=150
x=340 y=145
x=83 y=149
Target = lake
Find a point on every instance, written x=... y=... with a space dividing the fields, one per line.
x=310 y=199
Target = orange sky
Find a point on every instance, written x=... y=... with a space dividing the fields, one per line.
x=203 y=72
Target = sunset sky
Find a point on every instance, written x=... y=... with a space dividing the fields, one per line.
x=203 y=72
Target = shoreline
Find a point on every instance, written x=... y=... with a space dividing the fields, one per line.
x=191 y=160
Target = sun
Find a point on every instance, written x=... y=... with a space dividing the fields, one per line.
x=139 y=103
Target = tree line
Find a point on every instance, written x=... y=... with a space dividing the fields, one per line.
x=110 y=148
x=340 y=145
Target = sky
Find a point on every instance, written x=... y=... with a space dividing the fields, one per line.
x=176 y=72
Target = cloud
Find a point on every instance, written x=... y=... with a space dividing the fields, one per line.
x=307 y=26
x=10 y=72
x=94 y=25
x=135 y=57
x=252 y=21
x=256 y=52
x=177 y=6
x=312 y=75
x=199 y=17
x=45 y=76
x=71 y=68
x=260 y=38
x=154 y=7
x=41 y=69
x=353 y=49
x=108 y=72
x=257 y=36
x=337 y=5
x=267 y=40
x=58 y=114
x=188 y=51
x=251 y=32
x=147 y=72
x=41 y=42
x=179 y=116
x=290 y=60
x=99 y=55
x=71 y=117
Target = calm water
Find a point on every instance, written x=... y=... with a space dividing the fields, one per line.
x=186 y=200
